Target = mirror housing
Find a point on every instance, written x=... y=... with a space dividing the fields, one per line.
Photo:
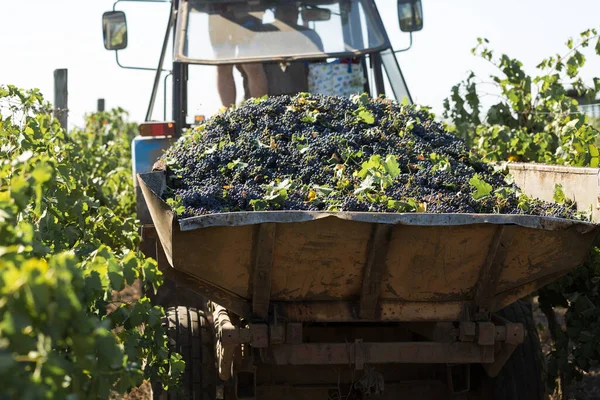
x=316 y=14
x=114 y=30
x=410 y=15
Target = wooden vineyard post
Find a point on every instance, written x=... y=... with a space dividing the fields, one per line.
x=61 y=97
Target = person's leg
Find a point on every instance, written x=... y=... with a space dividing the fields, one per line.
x=226 y=85
x=257 y=79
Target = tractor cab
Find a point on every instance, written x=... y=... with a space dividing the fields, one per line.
x=229 y=48
x=320 y=46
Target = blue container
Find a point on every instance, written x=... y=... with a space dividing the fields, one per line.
x=145 y=151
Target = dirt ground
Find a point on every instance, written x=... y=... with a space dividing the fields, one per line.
x=587 y=389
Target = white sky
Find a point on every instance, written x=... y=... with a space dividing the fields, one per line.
x=38 y=36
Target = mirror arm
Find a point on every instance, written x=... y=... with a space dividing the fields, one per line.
x=409 y=45
x=136 y=68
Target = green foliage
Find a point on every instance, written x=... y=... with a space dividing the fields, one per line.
x=537 y=120
x=440 y=163
x=559 y=195
x=534 y=119
x=377 y=173
x=410 y=205
x=67 y=234
x=481 y=188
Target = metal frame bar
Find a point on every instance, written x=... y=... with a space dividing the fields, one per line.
x=378 y=74
x=485 y=292
x=395 y=76
x=135 y=68
x=410 y=44
x=489 y=344
x=180 y=106
x=377 y=353
x=387 y=310
x=510 y=335
x=165 y=94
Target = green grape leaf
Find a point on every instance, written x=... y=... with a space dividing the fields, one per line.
x=481 y=188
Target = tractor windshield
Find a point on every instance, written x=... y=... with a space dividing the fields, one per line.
x=227 y=31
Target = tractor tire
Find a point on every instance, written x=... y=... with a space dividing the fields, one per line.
x=523 y=377
x=189 y=335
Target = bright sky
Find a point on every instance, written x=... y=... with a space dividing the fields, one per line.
x=38 y=36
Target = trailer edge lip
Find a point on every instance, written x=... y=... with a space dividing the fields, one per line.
x=420 y=219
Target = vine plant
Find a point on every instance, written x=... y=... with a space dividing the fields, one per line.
x=67 y=247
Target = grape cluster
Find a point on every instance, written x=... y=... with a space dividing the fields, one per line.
x=307 y=153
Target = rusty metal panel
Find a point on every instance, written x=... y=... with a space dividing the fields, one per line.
x=510 y=296
x=221 y=255
x=431 y=271
x=535 y=254
x=435 y=263
x=319 y=260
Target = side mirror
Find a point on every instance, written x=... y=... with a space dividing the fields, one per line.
x=410 y=15
x=316 y=14
x=114 y=29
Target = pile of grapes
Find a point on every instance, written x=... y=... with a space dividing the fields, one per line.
x=321 y=153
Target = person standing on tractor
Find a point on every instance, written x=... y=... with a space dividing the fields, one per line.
x=231 y=31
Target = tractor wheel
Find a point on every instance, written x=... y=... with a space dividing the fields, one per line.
x=189 y=335
x=523 y=377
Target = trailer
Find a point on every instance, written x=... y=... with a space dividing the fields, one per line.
x=324 y=305
x=317 y=305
